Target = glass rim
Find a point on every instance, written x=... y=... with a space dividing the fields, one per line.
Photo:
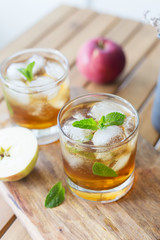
x=34 y=50
x=114 y=145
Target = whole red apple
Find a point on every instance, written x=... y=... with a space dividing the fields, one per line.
x=100 y=60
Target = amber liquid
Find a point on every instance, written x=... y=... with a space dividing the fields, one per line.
x=83 y=176
x=38 y=115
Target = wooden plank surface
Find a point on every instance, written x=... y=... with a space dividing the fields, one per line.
x=73 y=24
x=16 y=232
x=94 y=28
x=139 y=43
x=6 y=216
x=76 y=219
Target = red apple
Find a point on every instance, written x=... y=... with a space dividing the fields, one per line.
x=100 y=60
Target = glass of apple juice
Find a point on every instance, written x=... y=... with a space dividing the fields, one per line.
x=35 y=84
x=98 y=136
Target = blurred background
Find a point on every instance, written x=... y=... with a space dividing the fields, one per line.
x=16 y=16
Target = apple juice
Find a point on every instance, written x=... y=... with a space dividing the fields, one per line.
x=35 y=104
x=86 y=151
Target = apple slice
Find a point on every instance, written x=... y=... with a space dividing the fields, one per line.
x=18 y=153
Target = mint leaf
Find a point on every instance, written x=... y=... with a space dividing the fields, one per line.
x=102 y=170
x=55 y=196
x=113 y=118
x=88 y=123
x=27 y=72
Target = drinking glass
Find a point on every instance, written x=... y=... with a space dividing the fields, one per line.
x=79 y=157
x=36 y=106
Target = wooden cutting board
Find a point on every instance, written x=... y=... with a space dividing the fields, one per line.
x=136 y=216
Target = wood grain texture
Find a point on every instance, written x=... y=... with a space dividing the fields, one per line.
x=123 y=31
x=73 y=24
x=16 y=232
x=136 y=216
x=143 y=80
x=94 y=28
x=6 y=216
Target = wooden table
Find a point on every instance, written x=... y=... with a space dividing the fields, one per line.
x=66 y=29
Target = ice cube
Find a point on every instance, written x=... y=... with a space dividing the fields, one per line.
x=105 y=156
x=54 y=69
x=129 y=125
x=110 y=135
x=78 y=116
x=103 y=108
x=73 y=160
x=20 y=94
x=13 y=73
x=61 y=97
x=40 y=85
x=40 y=109
x=121 y=162
x=41 y=81
x=76 y=134
x=39 y=63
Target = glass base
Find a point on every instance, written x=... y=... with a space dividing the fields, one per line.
x=104 y=196
x=46 y=136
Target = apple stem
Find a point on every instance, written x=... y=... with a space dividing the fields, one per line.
x=101 y=44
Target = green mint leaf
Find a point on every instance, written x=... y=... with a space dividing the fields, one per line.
x=55 y=197
x=24 y=73
x=113 y=118
x=28 y=71
x=102 y=170
x=88 y=123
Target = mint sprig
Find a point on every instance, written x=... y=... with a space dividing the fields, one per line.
x=28 y=71
x=113 y=118
x=102 y=170
x=55 y=197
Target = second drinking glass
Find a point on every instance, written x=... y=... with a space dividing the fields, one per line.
x=35 y=84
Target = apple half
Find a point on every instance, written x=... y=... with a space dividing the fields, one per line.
x=18 y=153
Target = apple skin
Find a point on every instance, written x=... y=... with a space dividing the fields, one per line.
x=24 y=172
x=100 y=60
